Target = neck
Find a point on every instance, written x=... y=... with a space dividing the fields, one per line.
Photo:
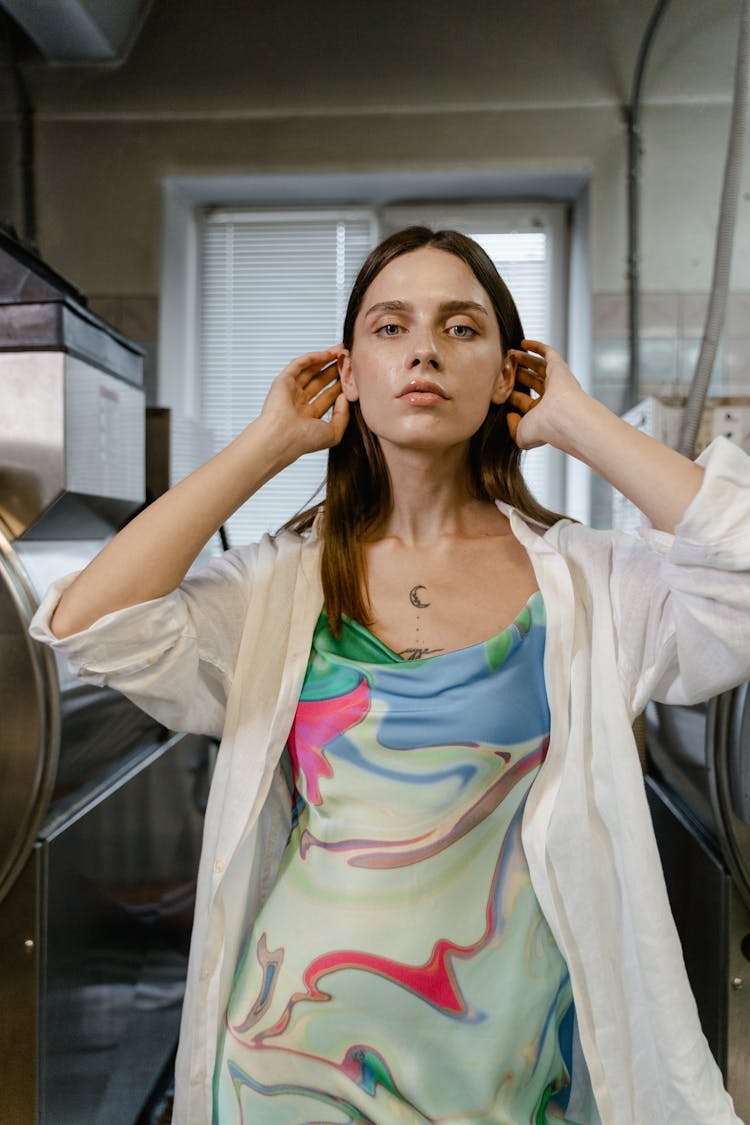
x=431 y=497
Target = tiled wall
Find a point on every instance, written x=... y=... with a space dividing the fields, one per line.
x=671 y=331
x=138 y=319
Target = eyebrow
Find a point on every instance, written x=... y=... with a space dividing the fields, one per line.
x=447 y=308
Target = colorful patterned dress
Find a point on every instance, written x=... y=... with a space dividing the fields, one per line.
x=401 y=969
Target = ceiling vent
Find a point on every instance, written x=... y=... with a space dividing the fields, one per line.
x=80 y=31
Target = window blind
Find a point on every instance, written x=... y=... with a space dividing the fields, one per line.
x=272 y=287
x=521 y=260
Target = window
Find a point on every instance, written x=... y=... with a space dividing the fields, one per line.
x=274 y=284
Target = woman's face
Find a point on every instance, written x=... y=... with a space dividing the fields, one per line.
x=426 y=359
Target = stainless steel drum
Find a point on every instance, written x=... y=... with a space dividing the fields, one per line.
x=728 y=762
x=702 y=753
x=30 y=710
x=57 y=733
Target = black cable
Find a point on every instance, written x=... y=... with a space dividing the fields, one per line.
x=25 y=113
x=633 y=119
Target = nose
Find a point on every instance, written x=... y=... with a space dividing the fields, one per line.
x=424 y=352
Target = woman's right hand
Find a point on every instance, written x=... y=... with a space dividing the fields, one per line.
x=299 y=398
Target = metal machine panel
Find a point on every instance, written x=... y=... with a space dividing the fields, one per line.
x=32 y=427
x=105 y=447
x=96 y=930
x=72 y=447
x=738 y=1071
x=19 y=987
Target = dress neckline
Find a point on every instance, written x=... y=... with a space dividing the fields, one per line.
x=396 y=658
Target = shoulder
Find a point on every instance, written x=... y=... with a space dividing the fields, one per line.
x=564 y=535
x=285 y=547
x=241 y=573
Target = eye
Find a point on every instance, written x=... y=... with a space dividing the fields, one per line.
x=462 y=331
x=388 y=330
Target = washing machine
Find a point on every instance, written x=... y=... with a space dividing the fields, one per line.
x=698 y=786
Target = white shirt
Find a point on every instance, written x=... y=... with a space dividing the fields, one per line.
x=629 y=618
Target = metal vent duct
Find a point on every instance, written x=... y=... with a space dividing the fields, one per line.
x=80 y=31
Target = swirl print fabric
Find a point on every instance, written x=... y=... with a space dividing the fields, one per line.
x=401 y=970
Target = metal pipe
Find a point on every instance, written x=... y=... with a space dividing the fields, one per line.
x=633 y=121
x=696 y=399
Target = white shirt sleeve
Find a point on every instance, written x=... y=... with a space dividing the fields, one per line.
x=681 y=602
x=173 y=656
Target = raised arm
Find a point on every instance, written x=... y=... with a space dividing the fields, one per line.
x=152 y=554
x=658 y=480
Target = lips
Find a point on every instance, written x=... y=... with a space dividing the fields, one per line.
x=422 y=386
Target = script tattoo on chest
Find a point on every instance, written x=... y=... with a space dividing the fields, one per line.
x=418 y=653
x=418 y=650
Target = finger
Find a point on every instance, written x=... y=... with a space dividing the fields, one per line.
x=531 y=379
x=313 y=359
x=325 y=378
x=325 y=400
x=339 y=420
x=522 y=402
x=538 y=346
x=325 y=372
x=514 y=421
x=526 y=359
x=312 y=362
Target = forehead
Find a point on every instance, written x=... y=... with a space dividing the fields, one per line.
x=426 y=274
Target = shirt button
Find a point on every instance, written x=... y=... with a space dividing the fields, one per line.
x=204 y=974
x=219 y=866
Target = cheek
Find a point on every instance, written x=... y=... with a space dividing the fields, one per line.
x=371 y=403
x=374 y=397
x=367 y=377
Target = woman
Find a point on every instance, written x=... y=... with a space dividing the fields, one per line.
x=429 y=888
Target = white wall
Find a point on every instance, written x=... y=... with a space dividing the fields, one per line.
x=397 y=85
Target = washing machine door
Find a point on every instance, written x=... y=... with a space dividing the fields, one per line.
x=728 y=760
x=702 y=753
x=29 y=720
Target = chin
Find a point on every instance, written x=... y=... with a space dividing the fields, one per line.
x=424 y=442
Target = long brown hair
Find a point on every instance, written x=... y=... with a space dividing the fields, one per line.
x=358 y=485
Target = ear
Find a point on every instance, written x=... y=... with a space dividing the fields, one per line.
x=348 y=382
x=506 y=379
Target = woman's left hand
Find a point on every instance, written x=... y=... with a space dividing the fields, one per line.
x=565 y=417
x=537 y=421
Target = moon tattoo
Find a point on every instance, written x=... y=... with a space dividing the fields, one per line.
x=414 y=597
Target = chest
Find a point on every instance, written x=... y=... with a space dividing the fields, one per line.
x=427 y=602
